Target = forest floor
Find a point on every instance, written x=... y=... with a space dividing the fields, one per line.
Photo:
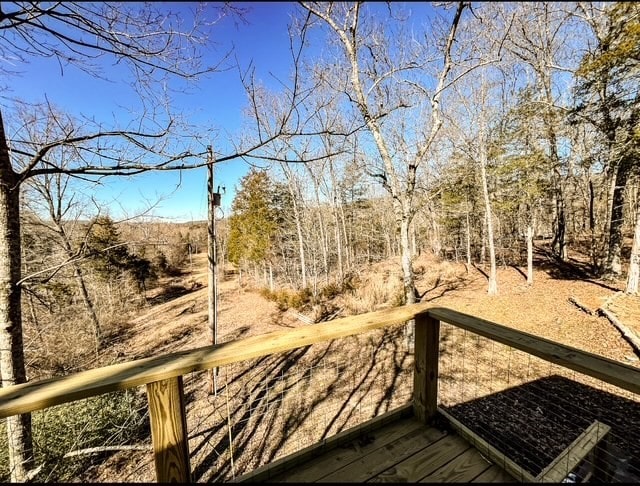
x=177 y=320
x=177 y=317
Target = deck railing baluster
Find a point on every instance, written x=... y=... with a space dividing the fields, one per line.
x=169 y=430
x=425 y=372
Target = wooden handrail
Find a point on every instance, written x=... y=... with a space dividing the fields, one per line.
x=36 y=395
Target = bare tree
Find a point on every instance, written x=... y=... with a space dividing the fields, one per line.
x=375 y=89
x=633 y=276
x=537 y=38
x=51 y=191
x=157 y=47
x=483 y=150
x=475 y=101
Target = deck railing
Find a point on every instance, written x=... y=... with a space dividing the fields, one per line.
x=162 y=375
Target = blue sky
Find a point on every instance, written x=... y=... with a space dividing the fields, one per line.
x=216 y=102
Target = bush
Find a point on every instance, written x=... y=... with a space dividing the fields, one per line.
x=162 y=266
x=374 y=293
x=330 y=291
x=333 y=289
x=286 y=299
x=177 y=254
x=111 y=419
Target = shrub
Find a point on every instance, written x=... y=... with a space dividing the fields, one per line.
x=286 y=299
x=111 y=419
x=330 y=291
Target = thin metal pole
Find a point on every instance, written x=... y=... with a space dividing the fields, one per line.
x=211 y=265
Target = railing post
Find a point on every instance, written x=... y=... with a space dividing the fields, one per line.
x=425 y=374
x=169 y=430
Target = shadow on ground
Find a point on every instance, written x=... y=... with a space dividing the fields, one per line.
x=535 y=422
x=304 y=395
x=172 y=292
x=570 y=269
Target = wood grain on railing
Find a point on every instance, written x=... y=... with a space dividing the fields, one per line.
x=37 y=395
x=169 y=430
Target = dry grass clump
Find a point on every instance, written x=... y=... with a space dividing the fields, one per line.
x=374 y=291
x=286 y=298
x=377 y=287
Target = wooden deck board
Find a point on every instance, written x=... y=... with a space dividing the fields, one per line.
x=424 y=462
x=462 y=469
x=494 y=474
x=397 y=449
x=338 y=458
x=372 y=464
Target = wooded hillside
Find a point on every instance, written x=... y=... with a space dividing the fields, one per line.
x=526 y=127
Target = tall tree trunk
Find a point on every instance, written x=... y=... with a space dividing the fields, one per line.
x=558 y=244
x=408 y=282
x=407 y=267
x=542 y=65
x=612 y=175
x=613 y=265
x=389 y=244
x=88 y=304
x=303 y=262
x=633 y=277
x=79 y=276
x=493 y=281
x=34 y=319
x=482 y=153
x=468 y=239
x=12 y=366
x=336 y=215
x=339 y=243
x=348 y=254
x=594 y=250
x=323 y=233
x=530 y=253
x=414 y=246
x=295 y=195
x=436 y=245
x=271 y=287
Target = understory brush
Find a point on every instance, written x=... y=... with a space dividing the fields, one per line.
x=373 y=291
x=63 y=435
x=355 y=294
x=287 y=299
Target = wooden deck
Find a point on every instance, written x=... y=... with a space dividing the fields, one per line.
x=380 y=449
x=396 y=448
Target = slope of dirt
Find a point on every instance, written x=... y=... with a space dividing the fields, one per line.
x=542 y=309
x=179 y=321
